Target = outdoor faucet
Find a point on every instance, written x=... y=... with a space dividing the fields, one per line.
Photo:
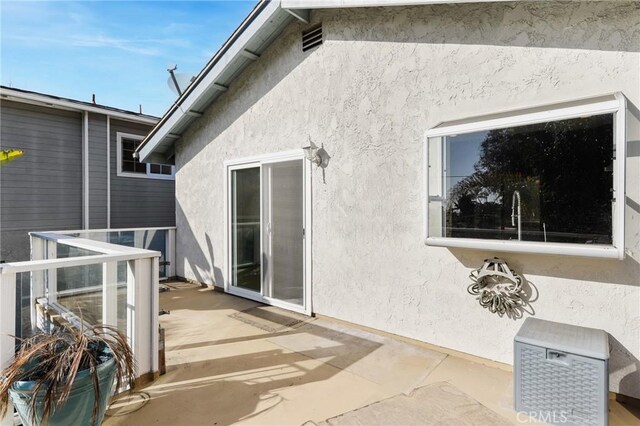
x=516 y=194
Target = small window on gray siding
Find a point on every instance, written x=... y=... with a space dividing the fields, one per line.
x=130 y=164
x=160 y=169
x=132 y=167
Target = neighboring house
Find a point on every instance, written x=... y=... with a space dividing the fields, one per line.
x=77 y=170
x=450 y=133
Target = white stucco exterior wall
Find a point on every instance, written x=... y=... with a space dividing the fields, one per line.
x=382 y=77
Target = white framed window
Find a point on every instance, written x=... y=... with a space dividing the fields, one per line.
x=548 y=179
x=131 y=167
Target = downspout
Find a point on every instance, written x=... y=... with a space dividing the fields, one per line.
x=108 y=172
x=85 y=166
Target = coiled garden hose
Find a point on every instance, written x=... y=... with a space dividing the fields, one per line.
x=498 y=288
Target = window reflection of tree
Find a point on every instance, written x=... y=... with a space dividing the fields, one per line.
x=562 y=170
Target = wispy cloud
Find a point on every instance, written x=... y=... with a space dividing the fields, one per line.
x=74 y=48
x=73 y=25
x=134 y=46
x=141 y=47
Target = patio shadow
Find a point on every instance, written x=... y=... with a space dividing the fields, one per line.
x=237 y=360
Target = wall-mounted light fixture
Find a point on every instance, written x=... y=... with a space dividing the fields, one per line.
x=311 y=153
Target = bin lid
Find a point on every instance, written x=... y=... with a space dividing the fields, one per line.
x=589 y=342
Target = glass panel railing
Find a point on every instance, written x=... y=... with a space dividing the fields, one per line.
x=23 y=305
x=156 y=239
x=93 y=294
x=151 y=239
x=79 y=289
x=75 y=280
x=65 y=250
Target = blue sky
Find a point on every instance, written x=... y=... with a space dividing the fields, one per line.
x=118 y=50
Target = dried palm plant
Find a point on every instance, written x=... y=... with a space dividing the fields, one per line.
x=52 y=361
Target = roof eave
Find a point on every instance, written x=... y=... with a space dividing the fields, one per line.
x=206 y=83
x=71 y=105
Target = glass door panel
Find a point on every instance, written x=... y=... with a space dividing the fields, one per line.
x=245 y=229
x=283 y=231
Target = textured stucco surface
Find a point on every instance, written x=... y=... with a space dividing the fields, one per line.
x=381 y=78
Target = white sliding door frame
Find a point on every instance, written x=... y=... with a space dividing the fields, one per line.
x=259 y=161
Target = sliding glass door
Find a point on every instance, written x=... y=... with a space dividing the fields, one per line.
x=283 y=233
x=266 y=231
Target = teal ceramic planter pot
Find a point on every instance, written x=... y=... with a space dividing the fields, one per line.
x=78 y=408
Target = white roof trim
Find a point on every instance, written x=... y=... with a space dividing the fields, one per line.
x=208 y=80
x=53 y=102
x=333 y=4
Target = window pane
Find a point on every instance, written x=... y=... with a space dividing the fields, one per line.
x=160 y=169
x=140 y=167
x=245 y=229
x=130 y=164
x=543 y=182
x=130 y=144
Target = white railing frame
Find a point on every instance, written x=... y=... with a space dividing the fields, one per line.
x=170 y=253
x=51 y=288
x=82 y=231
x=110 y=293
x=142 y=293
x=7 y=329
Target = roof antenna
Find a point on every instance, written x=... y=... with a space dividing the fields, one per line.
x=171 y=69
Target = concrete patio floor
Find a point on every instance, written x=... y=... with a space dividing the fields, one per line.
x=234 y=361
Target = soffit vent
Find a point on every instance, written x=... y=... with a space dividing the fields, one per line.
x=312 y=37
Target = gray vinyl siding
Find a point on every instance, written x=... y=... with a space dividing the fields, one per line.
x=42 y=190
x=97 y=171
x=138 y=202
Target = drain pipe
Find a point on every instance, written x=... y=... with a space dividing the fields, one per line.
x=514 y=197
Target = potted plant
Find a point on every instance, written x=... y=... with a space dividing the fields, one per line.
x=66 y=377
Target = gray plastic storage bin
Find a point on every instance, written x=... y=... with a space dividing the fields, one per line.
x=561 y=373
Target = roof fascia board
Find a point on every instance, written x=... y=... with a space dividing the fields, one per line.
x=335 y=4
x=45 y=101
x=208 y=80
